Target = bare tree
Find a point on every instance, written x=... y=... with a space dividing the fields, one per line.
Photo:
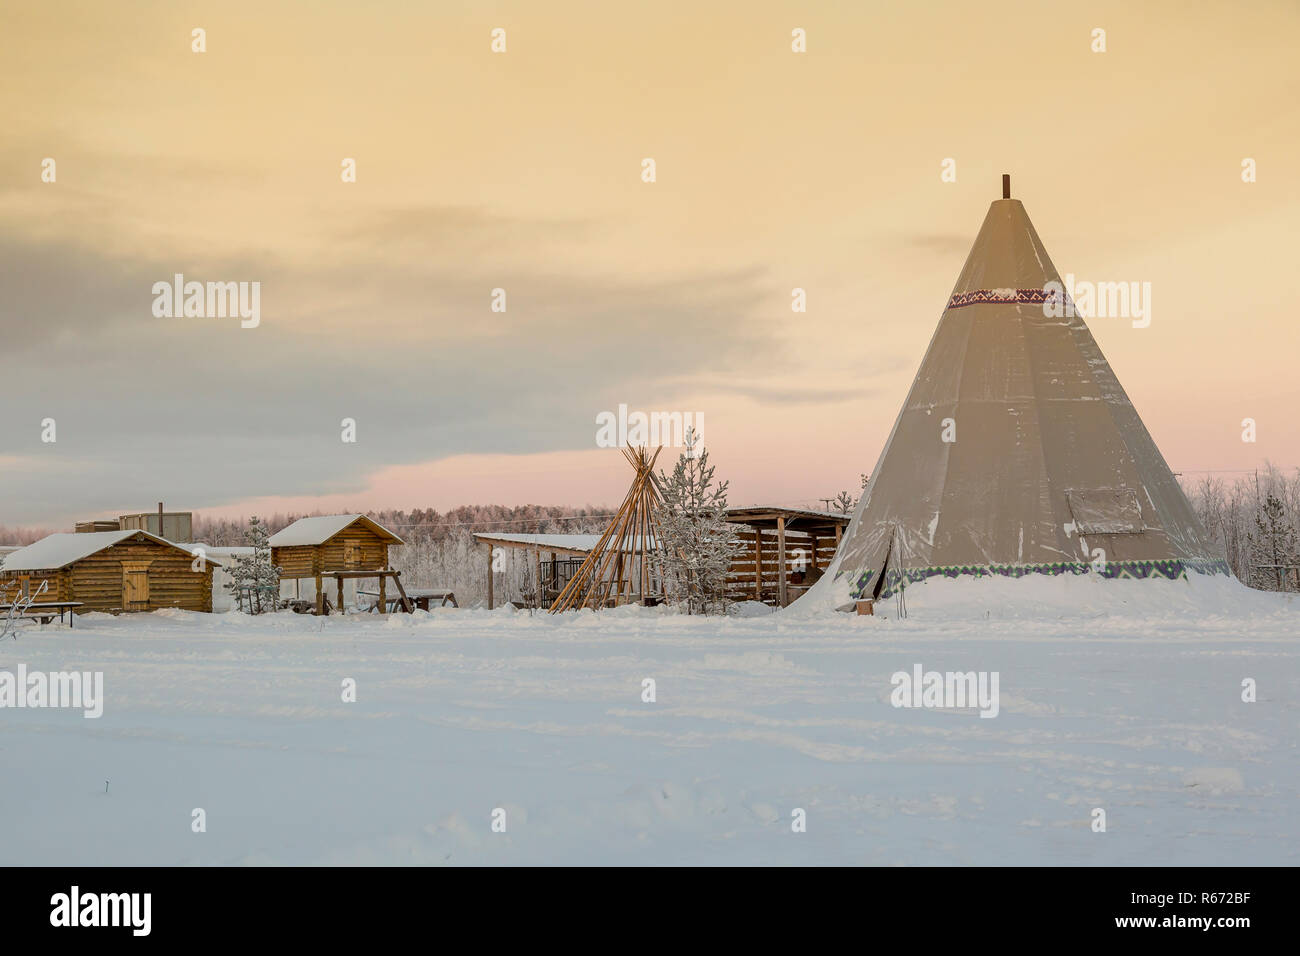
x=18 y=607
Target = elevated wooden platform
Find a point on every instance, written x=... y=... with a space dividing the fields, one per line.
x=382 y=574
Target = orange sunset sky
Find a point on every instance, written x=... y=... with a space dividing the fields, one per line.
x=522 y=170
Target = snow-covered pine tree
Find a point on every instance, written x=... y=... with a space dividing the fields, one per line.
x=1273 y=547
x=696 y=543
x=254 y=580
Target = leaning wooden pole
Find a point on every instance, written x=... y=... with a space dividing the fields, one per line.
x=606 y=573
x=576 y=583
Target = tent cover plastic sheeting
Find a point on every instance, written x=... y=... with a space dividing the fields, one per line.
x=1017 y=450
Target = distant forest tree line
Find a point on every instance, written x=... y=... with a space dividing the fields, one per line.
x=1254 y=518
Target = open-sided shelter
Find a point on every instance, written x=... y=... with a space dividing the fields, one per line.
x=783 y=551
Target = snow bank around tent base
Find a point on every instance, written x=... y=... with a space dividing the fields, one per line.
x=1058 y=596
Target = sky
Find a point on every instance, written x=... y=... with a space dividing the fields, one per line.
x=522 y=170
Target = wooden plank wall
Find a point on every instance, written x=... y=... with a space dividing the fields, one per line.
x=740 y=577
x=295 y=562
x=369 y=553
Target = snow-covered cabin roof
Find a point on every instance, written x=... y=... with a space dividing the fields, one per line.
x=796 y=519
x=782 y=509
x=60 y=550
x=309 y=532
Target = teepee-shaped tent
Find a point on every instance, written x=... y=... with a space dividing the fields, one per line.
x=620 y=567
x=1047 y=467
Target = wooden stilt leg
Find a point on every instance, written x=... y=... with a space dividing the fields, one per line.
x=780 y=561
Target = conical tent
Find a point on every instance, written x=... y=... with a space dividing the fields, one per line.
x=621 y=564
x=1017 y=451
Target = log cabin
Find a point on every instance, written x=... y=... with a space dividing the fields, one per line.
x=112 y=571
x=334 y=546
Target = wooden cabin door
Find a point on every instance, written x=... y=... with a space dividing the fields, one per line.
x=135 y=585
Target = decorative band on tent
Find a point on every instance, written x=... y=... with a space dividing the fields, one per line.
x=1172 y=569
x=1009 y=296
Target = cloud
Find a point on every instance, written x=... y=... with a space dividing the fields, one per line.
x=56 y=290
x=201 y=412
x=441 y=229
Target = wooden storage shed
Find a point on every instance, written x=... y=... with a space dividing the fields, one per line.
x=335 y=546
x=783 y=551
x=112 y=571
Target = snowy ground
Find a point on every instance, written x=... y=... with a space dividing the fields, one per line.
x=1103 y=704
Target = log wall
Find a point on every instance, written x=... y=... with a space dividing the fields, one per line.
x=98 y=581
x=353 y=549
x=741 y=577
x=11 y=585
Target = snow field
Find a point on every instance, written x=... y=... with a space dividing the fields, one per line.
x=1132 y=705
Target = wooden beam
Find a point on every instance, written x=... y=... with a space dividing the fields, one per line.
x=758 y=566
x=407 y=606
x=593 y=570
x=780 y=561
x=342 y=610
x=320 y=595
x=537 y=583
x=383 y=594
x=489 y=569
x=351 y=573
x=645 y=548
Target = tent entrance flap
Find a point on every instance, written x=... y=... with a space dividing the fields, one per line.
x=884 y=569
